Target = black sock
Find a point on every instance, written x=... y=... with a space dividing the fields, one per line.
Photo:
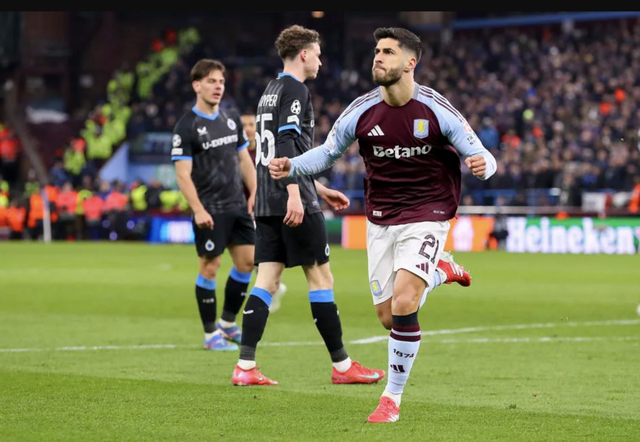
x=206 y=296
x=254 y=320
x=234 y=294
x=325 y=315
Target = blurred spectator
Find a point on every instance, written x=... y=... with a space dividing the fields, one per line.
x=57 y=174
x=9 y=154
x=488 y=134
x=498 y=236
x=153 y=194
x=93 y=210
x=67 y=207
x=17 y=218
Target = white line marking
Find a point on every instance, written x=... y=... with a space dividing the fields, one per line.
x=507 y=327
x=540 y=339
x=385 y=337
x=97 y=347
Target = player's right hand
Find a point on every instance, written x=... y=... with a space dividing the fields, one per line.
x=279 y=168
x=203 y=220
x=295 y=212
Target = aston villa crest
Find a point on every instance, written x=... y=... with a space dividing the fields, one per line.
x=420 y=128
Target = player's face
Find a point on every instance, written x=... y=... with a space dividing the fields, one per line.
x=211 y=88
x=389 y=62
x=312 y=61
x=249 y=126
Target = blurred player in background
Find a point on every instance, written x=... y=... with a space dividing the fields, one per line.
x=249 y=125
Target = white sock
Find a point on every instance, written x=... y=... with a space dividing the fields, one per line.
x=403 y=349
x=343 y=366
x=246 y=365
x=226 y=324
x=395 y=397
x=438 y=279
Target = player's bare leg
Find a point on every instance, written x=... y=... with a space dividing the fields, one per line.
x=235 y=290
x=254 y=321
x=277 y=298
x=404 y=343
x=327 y=319
x=276 y=301
x=447 y=272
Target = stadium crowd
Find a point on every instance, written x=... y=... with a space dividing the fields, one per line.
x=557 y=107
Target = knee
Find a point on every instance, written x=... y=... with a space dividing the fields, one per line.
x=319 y=278
x=405 y=303
x=269 y=284
x=244 y=267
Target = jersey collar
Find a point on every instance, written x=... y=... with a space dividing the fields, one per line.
x=208 y=117
x=284 y=74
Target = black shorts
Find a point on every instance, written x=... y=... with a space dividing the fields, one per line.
x=228 y=228
x=304 y=245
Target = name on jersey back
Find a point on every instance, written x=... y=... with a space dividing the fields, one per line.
x=268 y=100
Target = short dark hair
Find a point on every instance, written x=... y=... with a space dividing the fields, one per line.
x=295 y=38
x=405 y=38
x=203 y=67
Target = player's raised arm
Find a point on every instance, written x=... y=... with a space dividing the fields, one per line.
x=456 y=128
x=316 y=160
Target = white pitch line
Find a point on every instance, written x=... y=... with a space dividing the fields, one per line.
x=540 y=339
x=375 y=339
x=91 y=348
x=507 y=327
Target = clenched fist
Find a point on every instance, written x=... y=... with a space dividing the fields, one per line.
x=279 y=168
x=477 y=164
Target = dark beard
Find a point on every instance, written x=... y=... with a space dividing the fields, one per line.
x=392 y=77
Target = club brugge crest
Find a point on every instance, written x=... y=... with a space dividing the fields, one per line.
x=420 y=128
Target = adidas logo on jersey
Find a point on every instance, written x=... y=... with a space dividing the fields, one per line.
x=401 y=152
x=376 y=131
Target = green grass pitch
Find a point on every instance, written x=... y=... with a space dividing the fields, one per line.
x=104 y=342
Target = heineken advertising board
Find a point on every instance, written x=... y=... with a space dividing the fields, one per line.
x=574 y=235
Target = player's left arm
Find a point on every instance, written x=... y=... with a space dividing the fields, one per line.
x=477 y=158
x=248 y=171
x=337 y=200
